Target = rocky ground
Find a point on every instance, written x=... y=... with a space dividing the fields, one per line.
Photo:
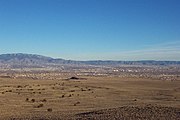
x=148 y=112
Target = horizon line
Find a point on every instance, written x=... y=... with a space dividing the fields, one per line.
x=89 y=59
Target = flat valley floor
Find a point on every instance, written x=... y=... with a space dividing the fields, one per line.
x=99 y=98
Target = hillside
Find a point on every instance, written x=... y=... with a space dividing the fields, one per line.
x=17 y=60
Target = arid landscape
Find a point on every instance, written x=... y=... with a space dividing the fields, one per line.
x=89 y=60
x=78 y=91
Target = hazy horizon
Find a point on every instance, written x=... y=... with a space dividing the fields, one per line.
x=92 y=30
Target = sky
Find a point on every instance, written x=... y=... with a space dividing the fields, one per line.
x=92 y=29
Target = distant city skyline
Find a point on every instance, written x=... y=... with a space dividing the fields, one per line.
x=92 y=29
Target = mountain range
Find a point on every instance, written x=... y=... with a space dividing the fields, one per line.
x=16 y=60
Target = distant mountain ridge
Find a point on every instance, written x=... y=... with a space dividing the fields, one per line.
x=21 y=56
x=32 y=60
x=26 y=60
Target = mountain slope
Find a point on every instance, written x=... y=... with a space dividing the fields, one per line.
x=17 y=60
x=25 y=60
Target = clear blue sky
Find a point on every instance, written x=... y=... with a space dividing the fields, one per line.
x=92 y=29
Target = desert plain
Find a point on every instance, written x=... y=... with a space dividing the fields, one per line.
x=89 y=97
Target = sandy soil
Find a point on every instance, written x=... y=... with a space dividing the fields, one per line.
x=90 y=98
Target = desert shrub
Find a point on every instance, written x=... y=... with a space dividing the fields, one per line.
x=49 y=109
x=32 y=100
x=27 y=99
x=10 y=91
x=44 y=100
x=82 y=89
x=19 y=86
x=40 y=105
x=76 y=103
